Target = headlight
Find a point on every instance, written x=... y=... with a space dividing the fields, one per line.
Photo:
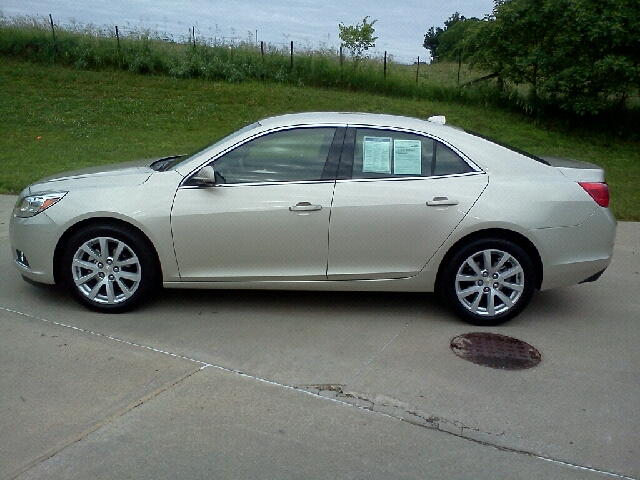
x=31 y=205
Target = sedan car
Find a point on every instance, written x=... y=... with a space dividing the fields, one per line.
x=324 y=201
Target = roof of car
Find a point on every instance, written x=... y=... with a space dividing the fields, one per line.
x=373 y=119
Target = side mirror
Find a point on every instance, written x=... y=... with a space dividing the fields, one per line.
x=206 y=176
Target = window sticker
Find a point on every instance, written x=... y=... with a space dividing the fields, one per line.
x=407 y=157
x=376 y=157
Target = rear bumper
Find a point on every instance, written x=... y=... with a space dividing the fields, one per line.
x=573 y=255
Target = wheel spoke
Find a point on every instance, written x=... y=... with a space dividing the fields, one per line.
x=505 y=258
x=461 y=277
x=491 y=305
x=468 y=291
x=90 y=251
x=128 y=261
x=125 y=290
x=96 y=288
x=506 y=300
x=83 y=280
x=110 y=293
x=511 y=272
x=516 y=287
x=84 y=264
x=134 y=276
x=104 y=249
x=118 y=251
x=474 y=306
x=474 y=266
x=486 y=255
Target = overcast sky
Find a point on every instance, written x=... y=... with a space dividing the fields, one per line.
x=400 y=27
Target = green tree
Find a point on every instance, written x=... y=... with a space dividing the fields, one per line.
x=433 y=39
x=453 y=44
x=580 y=55
x=358 y=38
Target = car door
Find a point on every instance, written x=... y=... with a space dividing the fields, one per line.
x=267 y=217
x=405 y=195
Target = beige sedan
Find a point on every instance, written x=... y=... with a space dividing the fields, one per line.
x=324 y=201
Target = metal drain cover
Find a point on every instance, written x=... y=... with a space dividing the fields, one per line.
x=495 y=351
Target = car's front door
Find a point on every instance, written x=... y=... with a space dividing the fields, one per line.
x=406 y=194
x=268 y=216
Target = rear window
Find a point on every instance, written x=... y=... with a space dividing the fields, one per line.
x=510 y=147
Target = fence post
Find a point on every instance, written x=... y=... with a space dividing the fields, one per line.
x=385 y=64
x=193 y=29
x=118 y=37
x=291 y=54
x=262 y=49
x=341 y=57
x=55 y=43
x=418 y=69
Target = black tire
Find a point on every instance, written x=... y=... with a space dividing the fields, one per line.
x=109 y=269
x=488 y=282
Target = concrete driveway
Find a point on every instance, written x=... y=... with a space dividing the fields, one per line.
x=221 y=384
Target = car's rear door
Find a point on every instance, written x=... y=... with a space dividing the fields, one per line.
x=267 y=218
x=404 y=195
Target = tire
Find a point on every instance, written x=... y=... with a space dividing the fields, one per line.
x=488 y=282
x=109 y=269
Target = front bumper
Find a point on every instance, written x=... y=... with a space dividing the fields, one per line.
x=33 y=242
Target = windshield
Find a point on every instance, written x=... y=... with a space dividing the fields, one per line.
x=178 y=161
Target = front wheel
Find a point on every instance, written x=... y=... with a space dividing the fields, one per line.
x=108 y=269
x=488 y=282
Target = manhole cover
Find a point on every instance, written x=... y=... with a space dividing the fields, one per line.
x=495 y=351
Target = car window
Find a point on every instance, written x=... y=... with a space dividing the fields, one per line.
x=447 y=162
x=179 y=160
x=392 y=154
x=286 y=156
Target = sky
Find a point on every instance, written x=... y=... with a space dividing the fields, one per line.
x=400 y=24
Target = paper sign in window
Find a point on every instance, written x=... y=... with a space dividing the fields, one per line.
x=407 y=157
x=376 y=157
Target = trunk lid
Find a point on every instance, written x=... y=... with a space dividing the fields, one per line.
x=577 y=170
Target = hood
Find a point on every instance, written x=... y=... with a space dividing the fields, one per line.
x=122 y=174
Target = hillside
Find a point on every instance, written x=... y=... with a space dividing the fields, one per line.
x=55 y=118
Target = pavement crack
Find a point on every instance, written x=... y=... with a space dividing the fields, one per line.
x=397 y=409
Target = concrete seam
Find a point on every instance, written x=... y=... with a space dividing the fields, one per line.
x=381 y=350
x=109 y=337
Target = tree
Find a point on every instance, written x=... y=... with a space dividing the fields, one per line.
x=453 y=44
x=433 y=37
x=358 y=38
x=579 y=55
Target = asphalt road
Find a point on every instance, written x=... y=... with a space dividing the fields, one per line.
x=222 y=384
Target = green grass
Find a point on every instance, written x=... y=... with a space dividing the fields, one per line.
x=56 y=118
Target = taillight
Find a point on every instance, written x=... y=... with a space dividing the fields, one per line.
x=599 y=191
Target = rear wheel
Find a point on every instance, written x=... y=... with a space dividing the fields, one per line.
x=488 y=282
x=109 y=269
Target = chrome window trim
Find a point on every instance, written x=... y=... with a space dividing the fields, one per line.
x=414 y=178
x=256 y=184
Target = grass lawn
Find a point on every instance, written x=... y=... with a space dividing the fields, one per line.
x=54 y=119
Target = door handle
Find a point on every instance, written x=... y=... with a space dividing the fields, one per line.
x=305 y=207
x=441 y=201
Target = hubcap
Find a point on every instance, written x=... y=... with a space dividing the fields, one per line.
x=106 y=270
x=489 y=282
